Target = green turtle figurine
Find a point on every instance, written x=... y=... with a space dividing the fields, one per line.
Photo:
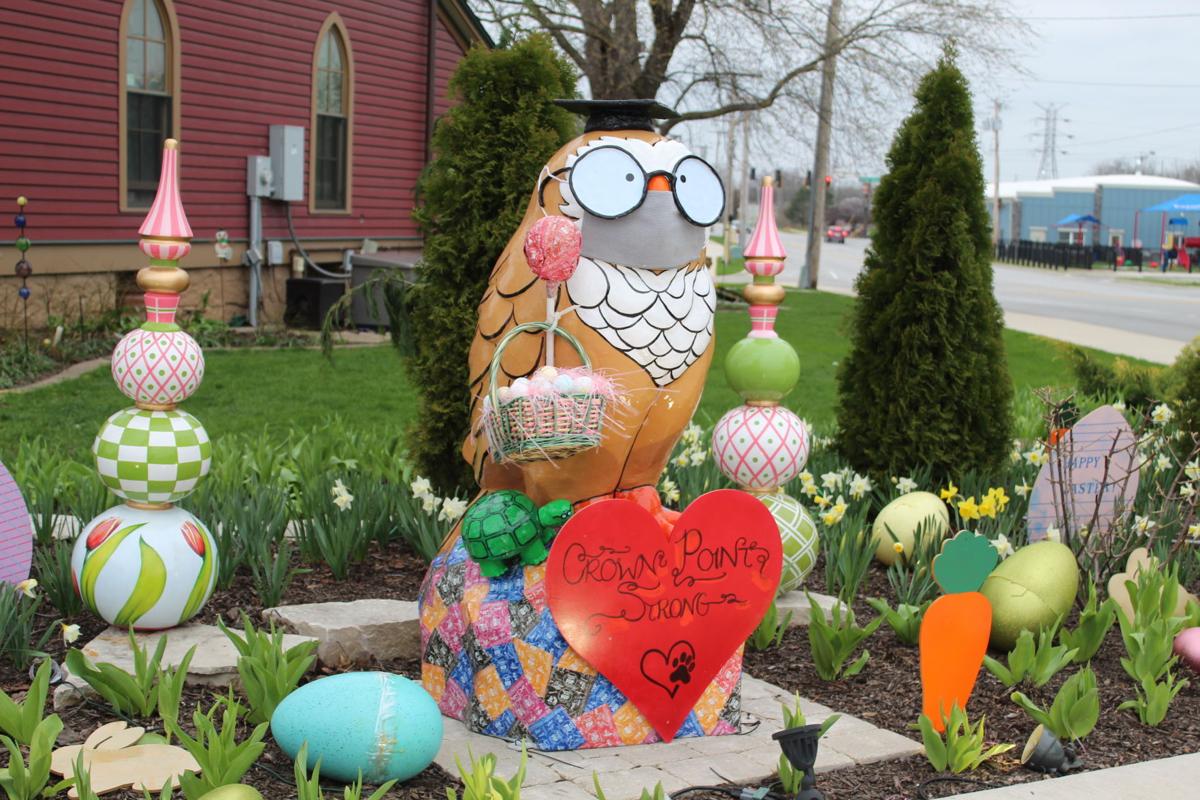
x=505 y=525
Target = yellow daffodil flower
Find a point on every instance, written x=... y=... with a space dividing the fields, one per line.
x=968 y=509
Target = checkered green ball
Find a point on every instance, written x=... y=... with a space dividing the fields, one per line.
x=152 y=456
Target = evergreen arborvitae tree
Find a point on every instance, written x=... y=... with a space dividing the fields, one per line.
x=926 y=382
x=488 y=151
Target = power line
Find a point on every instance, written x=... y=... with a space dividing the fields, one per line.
x=1140 y=135
x=1114 y=84
x=1111 y=17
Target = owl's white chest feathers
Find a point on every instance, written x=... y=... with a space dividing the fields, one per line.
x=663 y=321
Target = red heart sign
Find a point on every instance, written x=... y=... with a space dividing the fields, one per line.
x=659 y=615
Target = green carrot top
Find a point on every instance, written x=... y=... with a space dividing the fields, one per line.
x=964 y=563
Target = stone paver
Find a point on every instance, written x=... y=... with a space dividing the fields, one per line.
x=796 y=601
x=1174 y=778
x=353 y=632
x=624 y=771
x=214 y=664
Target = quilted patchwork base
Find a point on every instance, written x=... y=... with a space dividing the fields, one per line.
x=492 y=656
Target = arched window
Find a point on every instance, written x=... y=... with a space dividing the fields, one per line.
x=333 y=104
x=149 y=108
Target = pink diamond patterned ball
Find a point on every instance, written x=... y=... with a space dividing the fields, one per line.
x=159 y=367
x=760 y=447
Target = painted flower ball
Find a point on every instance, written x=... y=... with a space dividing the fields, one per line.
x=799 y=535
x=158 y=367
x=152 y=456
x=145 y=569
x=760 y=447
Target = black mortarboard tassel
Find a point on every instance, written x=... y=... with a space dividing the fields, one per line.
x=618 y=115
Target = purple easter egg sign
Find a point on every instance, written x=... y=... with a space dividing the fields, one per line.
x=16 y=532
x=1096 y=462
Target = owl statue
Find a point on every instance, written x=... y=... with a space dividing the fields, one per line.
x=641 y=300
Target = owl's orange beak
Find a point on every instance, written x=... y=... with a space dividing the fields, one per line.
x=659 y=183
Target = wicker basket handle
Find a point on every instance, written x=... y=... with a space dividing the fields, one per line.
x=526 y=328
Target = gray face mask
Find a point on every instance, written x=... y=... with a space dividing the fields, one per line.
x=655 y=236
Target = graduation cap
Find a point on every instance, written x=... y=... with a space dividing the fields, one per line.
x=618 y=115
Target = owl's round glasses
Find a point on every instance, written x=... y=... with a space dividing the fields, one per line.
x=608 y=182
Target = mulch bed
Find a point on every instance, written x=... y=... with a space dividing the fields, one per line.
x=887 y=693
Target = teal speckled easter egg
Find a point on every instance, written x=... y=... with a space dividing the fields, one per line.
x=383 y=725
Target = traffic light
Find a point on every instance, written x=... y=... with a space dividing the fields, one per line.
x=808 y=179
x=828 y=181
x=779 y=178
x=753 y=174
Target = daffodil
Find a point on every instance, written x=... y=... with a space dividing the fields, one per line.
x=452 y=509
x=341 y=495
x=698 y=456
x=1194 y=530
x=950 y=492
x=859 y=486
x=70 y=633
x=1053 y=534
x=968 y=509
x=997 y=495
x=1022 y=489
x=805 y=477
x=682 y=460
x=1162 y=414
x=1119 y=405
x=1144 y=525
x=421 y=487
x=835 y=513
x=906 y=485
x=1037 y=457
x=831 y=480
x=669 y=491
x=898 y=547
x=810 y=489
x=430 y=503
x=821 y=500
x=1003 y=546
x=1162 y=462
x=1192 y=470
x=1187 y=490
x=986 y=507
x=27 y=587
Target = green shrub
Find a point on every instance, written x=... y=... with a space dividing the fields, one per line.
x=926 y=380
x=1030 y=662
x=1075 y=709
x=960 y=748
x=1180 y=384
x=833 y=640
x=269 y=673
x=1135 y=385
x=488 y=151
x=770 y=630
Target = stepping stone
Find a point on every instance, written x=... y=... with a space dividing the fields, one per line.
x=351 y=633
x=797 y=602
x=750 y=757
x=214 y=664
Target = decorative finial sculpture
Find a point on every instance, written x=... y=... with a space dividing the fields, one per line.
x=146 y=563
x=23 y=269
x=762 y=445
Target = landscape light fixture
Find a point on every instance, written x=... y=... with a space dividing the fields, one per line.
x=1045 y=753
x=799 y=746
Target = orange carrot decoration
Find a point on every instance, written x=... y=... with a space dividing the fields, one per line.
x=956 y=627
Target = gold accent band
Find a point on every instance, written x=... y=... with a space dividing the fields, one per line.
x=764 y=294
x=762 y=403
x=148 y=506
x=171 y=144
x=168 y=280
x=156 y=406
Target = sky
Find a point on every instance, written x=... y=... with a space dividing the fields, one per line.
x=1126 y=76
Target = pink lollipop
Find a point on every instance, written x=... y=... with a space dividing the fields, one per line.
x=552 y=248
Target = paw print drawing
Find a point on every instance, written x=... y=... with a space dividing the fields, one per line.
x=683 y=663
x=672 y=669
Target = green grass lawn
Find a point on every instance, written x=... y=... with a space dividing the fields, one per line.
x=246 y=391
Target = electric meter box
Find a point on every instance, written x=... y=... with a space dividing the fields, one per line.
x=287 y=162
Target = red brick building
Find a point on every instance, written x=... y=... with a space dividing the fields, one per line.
x=92 y=87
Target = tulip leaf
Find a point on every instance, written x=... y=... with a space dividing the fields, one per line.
x=151 y=581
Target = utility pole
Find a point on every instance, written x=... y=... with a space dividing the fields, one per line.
x=812 y=250
x=744 y=205
x=729 y=144
x=993 y=125
x=1142 y=158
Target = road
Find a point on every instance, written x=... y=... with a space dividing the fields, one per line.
x=1122 y=314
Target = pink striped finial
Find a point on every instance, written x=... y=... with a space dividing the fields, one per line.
x=764 y=252
x=165 y=231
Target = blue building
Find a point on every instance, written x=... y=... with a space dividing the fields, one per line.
x=1031 y=210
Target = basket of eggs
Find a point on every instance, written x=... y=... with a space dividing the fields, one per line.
x=552 y=414
x=555 y=412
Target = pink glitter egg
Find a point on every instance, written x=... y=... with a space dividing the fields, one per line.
x=1187 y=647
x=552 y=248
